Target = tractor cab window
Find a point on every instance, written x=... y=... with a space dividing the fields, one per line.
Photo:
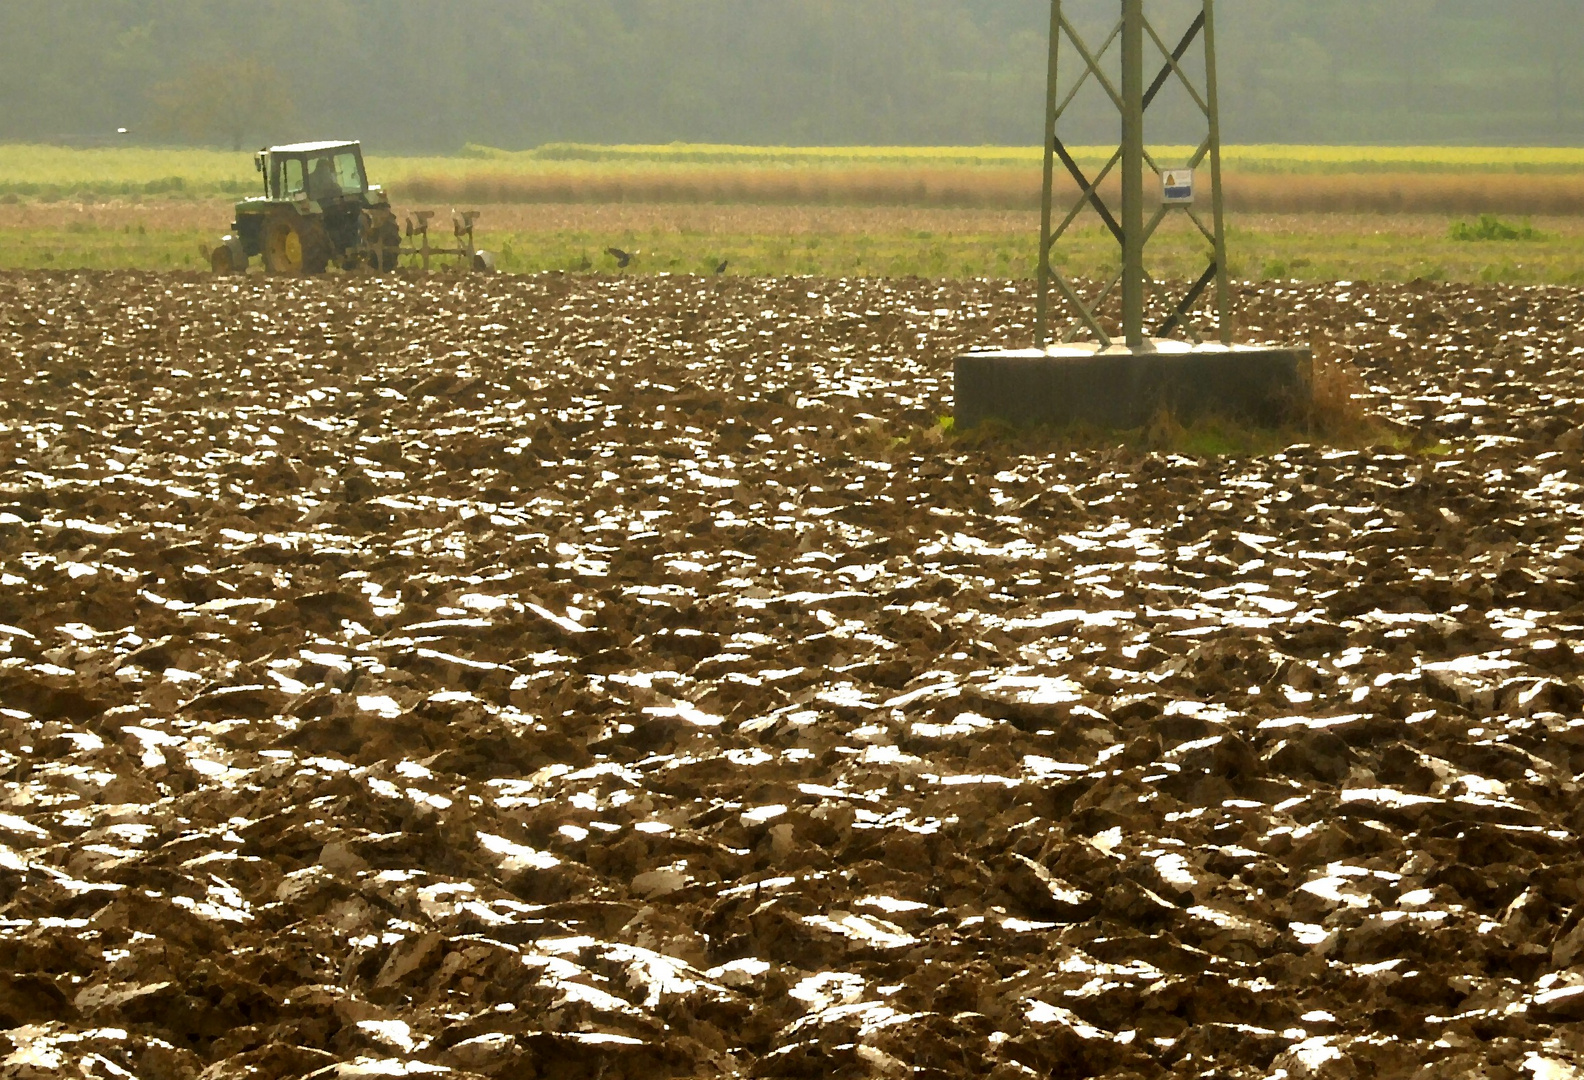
x=291 y=177
x=322 y=181
x=349 y=173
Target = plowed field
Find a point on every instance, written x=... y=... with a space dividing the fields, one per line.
x=597 y=678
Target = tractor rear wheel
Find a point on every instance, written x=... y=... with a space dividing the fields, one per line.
x=294 y=244
x=381 y=239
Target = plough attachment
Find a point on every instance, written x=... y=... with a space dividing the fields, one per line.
x=466 y=251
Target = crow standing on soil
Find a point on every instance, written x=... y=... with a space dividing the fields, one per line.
x=721 y=269
x=623 y=259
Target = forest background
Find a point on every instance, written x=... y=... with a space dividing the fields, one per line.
x=410 y=76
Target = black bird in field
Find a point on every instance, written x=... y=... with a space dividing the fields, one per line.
x=721 y=269
x=623 y=259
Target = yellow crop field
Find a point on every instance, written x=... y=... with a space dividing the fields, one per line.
x=1404 y=159
x=1252 y=158
x=980 y=176
x=108 y=172
x=715 y=154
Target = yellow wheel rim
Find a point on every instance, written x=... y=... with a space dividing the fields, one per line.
x=293 y=249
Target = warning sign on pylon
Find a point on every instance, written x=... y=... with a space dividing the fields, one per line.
x=1177 y=187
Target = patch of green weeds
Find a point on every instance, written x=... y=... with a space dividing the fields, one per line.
x=1489 y=227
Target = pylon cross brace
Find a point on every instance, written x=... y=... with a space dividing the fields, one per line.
x=1085 y=313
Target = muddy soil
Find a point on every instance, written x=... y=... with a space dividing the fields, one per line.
x=598 y=678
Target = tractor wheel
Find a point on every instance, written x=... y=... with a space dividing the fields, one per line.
x=295 y=245
x=220 y=260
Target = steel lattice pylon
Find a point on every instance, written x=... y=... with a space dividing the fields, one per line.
x=1132 y=101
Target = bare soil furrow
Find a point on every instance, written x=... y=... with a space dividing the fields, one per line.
x=588 y=678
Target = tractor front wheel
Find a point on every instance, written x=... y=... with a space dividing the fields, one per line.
x=295 y=245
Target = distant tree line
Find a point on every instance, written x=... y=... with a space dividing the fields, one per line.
x=411 y=75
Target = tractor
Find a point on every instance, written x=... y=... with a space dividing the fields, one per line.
x=318 y=208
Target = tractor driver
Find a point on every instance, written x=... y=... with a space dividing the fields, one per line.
x=322 y=182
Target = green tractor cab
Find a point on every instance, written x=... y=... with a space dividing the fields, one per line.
x=318 y=208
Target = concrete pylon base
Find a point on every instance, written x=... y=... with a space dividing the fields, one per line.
x=1123 y=388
